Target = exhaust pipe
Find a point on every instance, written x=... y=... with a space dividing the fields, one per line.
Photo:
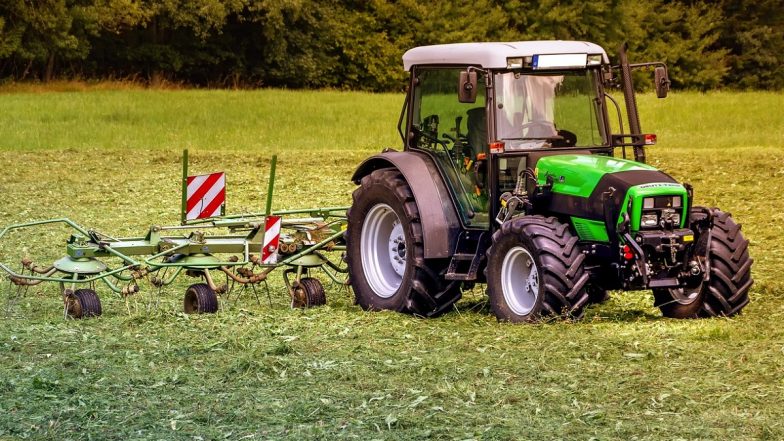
x=631 y=104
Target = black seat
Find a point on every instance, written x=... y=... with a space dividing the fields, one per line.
x=477 y=131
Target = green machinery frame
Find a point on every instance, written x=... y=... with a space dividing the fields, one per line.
x=303 y=244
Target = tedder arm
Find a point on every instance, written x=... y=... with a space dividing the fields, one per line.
x=244 y=247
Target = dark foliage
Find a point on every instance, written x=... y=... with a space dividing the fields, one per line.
x=358 y=44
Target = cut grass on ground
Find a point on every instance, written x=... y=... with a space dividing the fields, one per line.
x=110 y=160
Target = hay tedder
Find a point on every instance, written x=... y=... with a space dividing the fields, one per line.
x=224 y=251
x=510 y=175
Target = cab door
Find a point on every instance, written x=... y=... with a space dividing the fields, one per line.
x=455 y=135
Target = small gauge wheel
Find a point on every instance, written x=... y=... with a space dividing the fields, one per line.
x=200 y=299
x=83 y=303
x=307 y=293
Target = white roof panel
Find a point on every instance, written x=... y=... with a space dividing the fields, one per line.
x=494 y=55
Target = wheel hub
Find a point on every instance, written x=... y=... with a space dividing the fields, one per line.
x=519 y=280
x=383 y=250
x=397 y=249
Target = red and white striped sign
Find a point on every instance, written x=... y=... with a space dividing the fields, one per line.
x=206 y=196
x=269 y=251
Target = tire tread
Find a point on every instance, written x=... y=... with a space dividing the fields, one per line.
x=430 y=295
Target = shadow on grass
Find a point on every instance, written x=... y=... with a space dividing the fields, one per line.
x=609 y=311
x=597 y=313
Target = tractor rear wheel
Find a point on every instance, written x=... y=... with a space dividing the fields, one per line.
x=597 y=294
x=385 y=251
x=200 y=299
x=535 y=269
x=83 y=303
x=681 y=303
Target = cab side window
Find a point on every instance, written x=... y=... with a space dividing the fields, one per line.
x=456 y=135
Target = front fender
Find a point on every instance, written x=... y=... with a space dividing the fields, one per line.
x=440 y=224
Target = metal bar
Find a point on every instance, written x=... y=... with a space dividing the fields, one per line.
x=122 y=256
x=330 y=211
x=210 y=265
x=173 y=276
x=211 y=283
x=184 y=206
x=99 y=276
x=271 y=185
x=631 y=102
x=330 y=264
x=64 y=220
x=311 y=248
x=123 y=278
x=247 y=223
x=165 y=252
x=111 y=285
x=334 y=278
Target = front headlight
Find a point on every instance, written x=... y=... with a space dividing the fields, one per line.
x=649 y=220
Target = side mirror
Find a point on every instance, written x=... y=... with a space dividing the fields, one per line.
x=662 y=81
x=466 y=87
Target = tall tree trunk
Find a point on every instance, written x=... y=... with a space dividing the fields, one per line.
x=156 y=77
x=49 y=68
x=26 y=71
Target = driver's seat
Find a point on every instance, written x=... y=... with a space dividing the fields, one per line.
x=477 y=131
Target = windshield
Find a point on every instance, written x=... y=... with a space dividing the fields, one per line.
x=535 y=110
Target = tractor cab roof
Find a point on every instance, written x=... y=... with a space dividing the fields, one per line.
x=495 y=55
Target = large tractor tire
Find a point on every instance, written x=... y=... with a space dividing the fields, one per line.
x=83 y=303
x=730 y=279
x=680 y=303
x=385 y=251
x=597 y=294
x=726 y=292
x=535 y=269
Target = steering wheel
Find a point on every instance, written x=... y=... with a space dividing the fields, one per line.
x=542 y=126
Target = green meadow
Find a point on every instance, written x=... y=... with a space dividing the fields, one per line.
x=110 y=160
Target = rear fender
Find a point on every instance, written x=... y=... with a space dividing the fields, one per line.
x=440 y=224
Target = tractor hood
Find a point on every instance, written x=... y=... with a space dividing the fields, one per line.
x=585 y=185
x=578 y=175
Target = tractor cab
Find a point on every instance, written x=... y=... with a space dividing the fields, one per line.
x=485 y=112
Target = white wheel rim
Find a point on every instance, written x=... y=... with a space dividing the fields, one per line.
x=519 y=280
x=685 y=296
x=383 y=250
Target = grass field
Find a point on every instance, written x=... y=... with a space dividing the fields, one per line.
x=109 y=159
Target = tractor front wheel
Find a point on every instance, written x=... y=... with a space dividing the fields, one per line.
x=385 y=251
x=730 y=269
x=679 y=303
x=535 y=269
x=727 y=290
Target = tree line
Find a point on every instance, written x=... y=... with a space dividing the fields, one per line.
x=356 y=44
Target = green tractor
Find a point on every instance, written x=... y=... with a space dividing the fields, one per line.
x=511 y=175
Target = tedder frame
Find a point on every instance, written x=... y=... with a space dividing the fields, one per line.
x=256 y=244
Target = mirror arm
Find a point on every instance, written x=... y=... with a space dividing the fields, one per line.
x=620 y=119
x=648 y=64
